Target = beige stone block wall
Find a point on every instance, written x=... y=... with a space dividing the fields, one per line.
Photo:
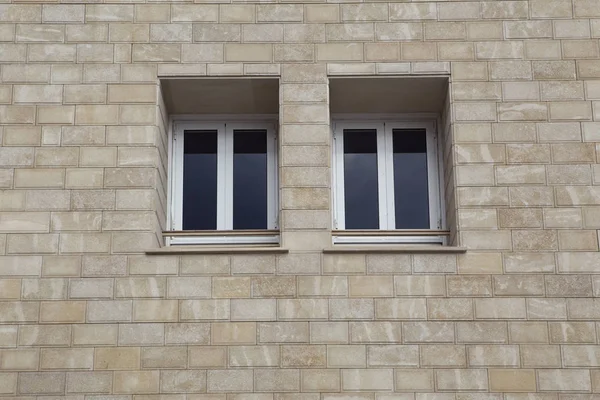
x=86 y=313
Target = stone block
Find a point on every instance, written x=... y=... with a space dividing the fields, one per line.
x=253 y=310
x=44 y=335
x=513 y=380
x=230 y=380
x=183 y=381
x=156 y=310
x=393 y=355
x=465 y=285
x=303 y=356
x=187 y=333
x=273 y=287
x=252 y=264
x=443 y=355
x=19 y=359
x=328 y=332
x=110 y=311
x=141 y=334
x=379 y=332
x=347 y=356
x=461 y=379
x=481 y=332
x=89 y=382
x=410 y=11
x=367 y=379
x=370 y=286
x=551 y=9
x=541 y=356
x=568 y=286
x=320 y=380
x=67 y=358
x=411 y=380
x=400 y=309
x=493 y=356
x=564 y=379
x=207 y=356
x=303 y=309
x=204 y=309
x=44 y=289
x=234 y=333
x=87 y=33
x=351 y=309
x=95 y=335
x=129 y=382
x=452 y=309
x=572 y=332
x=39 y=383
x=546 y=309
x=254 y=356
x=63 y=311
x=518 y=285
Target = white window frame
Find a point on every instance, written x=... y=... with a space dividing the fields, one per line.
x=225 y=133
x=384 y=128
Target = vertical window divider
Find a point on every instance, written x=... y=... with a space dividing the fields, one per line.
x=272 y=179
x=434 y=190
x=338 y=184
x=389 y=177
x=178 y=138
x=225 y=179
x=382 y=185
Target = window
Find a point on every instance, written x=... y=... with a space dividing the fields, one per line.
x=386 y=179
x=224 y=184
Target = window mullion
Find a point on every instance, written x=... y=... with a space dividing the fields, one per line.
x=382 y=177
x=433 y=179
x=225 y=179
x=338 y=184
x=177 y=199
x=272 y=182
x=389 y=176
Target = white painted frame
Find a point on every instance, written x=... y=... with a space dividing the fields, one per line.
x=225 y=132
x=384 y=128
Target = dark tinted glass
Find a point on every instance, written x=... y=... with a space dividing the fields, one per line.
x=360 y=179
x=250 y=179
x=200 y=180
x=410 y=179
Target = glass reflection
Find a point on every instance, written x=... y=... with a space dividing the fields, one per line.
x=410 y=179
x=200 y=180
x=360 y=179
x=250 y=179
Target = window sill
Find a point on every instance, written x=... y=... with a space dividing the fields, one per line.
x=215 y=239
x=215 y=250
x=400 y=248
x=390 y=238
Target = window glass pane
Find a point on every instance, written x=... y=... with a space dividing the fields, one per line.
x=361 y=198
x=249 y=179
x=200 y=180
x=410 y=179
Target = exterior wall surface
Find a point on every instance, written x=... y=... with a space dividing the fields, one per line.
x=87 y=313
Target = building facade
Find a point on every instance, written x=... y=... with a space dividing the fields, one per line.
x=272 y=200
